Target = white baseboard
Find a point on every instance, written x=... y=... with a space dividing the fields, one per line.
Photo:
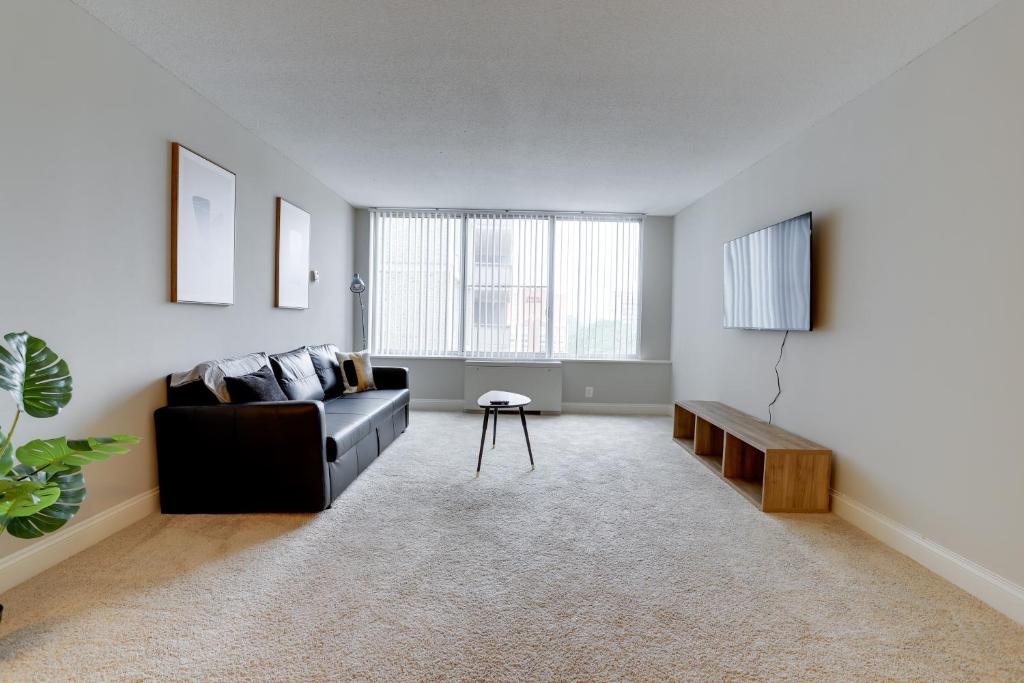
x=45 y=552
x=618 y=408
x=999 y=592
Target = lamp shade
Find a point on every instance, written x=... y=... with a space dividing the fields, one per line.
x=357 y=286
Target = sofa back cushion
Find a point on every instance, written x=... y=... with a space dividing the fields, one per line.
x=297 y=376
x=258 y=386
x=212 y=374
x=191 y=393
x=325 y=361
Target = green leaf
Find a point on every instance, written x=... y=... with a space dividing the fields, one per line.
x=35 y=376
x=103 y=444
x=72 y=492
x=46 y=453
x=6 y=456
x=59 y=454
x=124 y=438
x=25 y=498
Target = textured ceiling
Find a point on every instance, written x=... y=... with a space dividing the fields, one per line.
x=634 y=105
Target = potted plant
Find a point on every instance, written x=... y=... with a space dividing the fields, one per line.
x=42 y=485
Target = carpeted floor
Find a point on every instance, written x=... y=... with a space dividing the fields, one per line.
x=609 y=562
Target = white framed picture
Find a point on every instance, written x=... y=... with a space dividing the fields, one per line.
x=292 y=280
x=202 y=229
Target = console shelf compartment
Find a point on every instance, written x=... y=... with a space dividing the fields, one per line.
x=775 y=470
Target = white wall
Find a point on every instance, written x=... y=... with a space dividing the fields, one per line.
x=84 y=217
x=625 y=382
x=643 y=383
x=656 y=305
x=914 y=372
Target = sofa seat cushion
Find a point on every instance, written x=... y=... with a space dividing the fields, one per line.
x=350 y=417
x=297 y=376
x=372 y=408
x=344 y=430
x=400 y=397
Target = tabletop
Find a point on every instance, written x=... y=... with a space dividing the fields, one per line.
x=514 y=400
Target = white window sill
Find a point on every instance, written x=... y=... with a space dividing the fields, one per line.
x=460 y=359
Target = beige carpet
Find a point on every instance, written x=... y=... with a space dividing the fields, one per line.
x=619 y=558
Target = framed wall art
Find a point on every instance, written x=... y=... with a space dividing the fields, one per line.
x=202 y=229
x=292 y=278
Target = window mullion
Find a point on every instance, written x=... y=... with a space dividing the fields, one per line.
x=550 y=292
x=465 y=288
x=639 y=279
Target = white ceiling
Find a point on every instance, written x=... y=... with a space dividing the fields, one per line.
x=628 y=105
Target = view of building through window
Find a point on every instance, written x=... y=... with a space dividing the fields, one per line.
x=505 y=284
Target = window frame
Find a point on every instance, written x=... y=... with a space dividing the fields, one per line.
x=468 y=261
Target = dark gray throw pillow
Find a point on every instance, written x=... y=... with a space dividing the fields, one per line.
x=259 y=386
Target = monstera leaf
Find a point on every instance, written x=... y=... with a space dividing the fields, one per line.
x=36 y=377
x=71 y=484
x=6 y=454
x=61 y=454
x=42 y=484
x=25 y=498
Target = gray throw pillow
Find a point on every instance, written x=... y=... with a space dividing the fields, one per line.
x=258 y=386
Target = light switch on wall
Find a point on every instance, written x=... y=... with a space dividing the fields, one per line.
x=589 y=392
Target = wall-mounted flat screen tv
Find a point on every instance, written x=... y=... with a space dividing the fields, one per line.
x=768 y=277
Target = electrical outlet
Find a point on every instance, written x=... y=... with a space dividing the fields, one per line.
x=589 y=392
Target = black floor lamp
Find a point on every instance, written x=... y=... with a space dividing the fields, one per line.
x=357 y=287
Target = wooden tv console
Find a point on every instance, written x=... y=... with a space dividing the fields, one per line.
x=775 y=470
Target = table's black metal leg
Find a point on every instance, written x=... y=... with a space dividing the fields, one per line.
x=494 y=437
x=526 y=432
x=483 y=437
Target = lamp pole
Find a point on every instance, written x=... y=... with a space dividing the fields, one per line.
x=357 y=287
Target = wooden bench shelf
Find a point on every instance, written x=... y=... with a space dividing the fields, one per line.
x=775 y=470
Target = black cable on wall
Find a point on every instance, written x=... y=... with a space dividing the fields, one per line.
x=778 y=379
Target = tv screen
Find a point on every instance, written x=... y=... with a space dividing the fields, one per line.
x=768 y=277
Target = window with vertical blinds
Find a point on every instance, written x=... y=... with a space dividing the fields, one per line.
x=505 y=284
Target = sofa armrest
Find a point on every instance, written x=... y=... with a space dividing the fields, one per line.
x=386 y=377
x=253 y=457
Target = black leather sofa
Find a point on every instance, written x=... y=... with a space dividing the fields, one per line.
x=280 y=456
